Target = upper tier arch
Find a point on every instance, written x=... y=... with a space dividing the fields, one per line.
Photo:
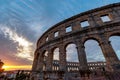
x=95 y=25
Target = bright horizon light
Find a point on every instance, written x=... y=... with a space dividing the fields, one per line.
x=15 y=67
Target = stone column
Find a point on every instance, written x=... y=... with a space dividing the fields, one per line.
x=82 y=57
x=115 y=14
x=62 y=62
x=62 y=56
x=109 y=54
x=49 y=60
x=76 y=26
x=92 y=21
x=40 y=63
x=35 y=62
x=39 y=75
x=34 y=66
x=62 y=30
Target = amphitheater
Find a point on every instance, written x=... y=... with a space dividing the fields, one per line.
x=97 y=24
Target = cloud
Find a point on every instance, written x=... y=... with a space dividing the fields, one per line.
x=24 y=48
x=71 y=53
x=93 y=51
x=26 y=3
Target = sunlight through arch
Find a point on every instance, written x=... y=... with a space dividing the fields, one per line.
x=93 y=51
x=56 y=54
x=71 y=53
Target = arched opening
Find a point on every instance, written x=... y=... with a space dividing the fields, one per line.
x=93 y=51
x=56 y=54
x=45 y=55
x=71 y=56
x=71 y=53
x=94 y=55
x=115 y=42
x=55 y=66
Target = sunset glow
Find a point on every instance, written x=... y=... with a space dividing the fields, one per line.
x=23 y=22
x=14 y=67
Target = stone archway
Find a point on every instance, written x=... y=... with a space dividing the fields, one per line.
x=56 y=54
x=93 y=51
x=96 y=29
x=71 y=53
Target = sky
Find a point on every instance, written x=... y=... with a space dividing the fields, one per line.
x=22 y=22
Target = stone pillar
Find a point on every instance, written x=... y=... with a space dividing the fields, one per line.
x=35 y=62
x=92 y=21
x=76 y=26
x=109 y=54
x=62 y=56
x=49 y=61
x=39 y=73
x=34 y=66
x=40 y=62
x=62 y=62
x=62 y=30
x=98 y=20
x=82 y=57
x=115 y=14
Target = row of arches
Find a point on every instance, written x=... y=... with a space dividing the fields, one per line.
x=92 y=49
x=82 y=50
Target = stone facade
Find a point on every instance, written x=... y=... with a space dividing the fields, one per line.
x=98 y=24
x=74 y=66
